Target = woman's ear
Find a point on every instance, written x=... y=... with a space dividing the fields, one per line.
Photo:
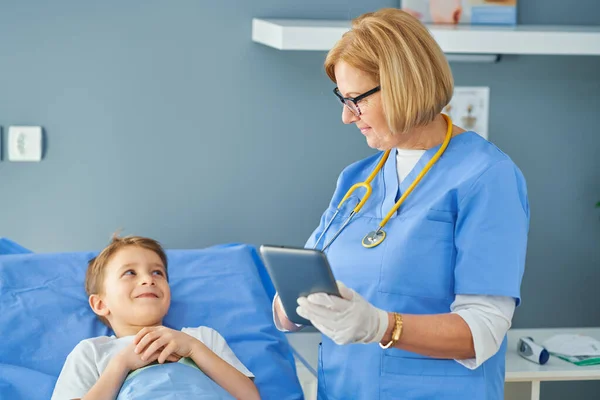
x=98 y=305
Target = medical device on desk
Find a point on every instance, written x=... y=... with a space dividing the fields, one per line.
x=532 y=351
x=374 y=238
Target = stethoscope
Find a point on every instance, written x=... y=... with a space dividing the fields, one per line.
x=374 y=238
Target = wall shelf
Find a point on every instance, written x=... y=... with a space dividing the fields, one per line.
x=320 y=35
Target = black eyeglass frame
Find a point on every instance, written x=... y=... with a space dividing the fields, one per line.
x=354 y=100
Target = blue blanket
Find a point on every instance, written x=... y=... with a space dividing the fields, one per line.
x=171 y=381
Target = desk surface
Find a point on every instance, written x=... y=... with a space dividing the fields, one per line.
x=518 y=369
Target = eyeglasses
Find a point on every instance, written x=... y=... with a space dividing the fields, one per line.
x=352 y=102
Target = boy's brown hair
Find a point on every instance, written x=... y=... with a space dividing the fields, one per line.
x=94 y=276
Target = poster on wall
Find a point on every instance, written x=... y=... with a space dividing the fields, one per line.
x=469 y=108
x=475 y=12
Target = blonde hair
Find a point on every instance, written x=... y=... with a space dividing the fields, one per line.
x=398 y=51
x=94 y=276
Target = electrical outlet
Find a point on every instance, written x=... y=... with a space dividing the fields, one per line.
x=25 y=143
x=469 y=108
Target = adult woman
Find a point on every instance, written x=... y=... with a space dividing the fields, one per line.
x=438 y=294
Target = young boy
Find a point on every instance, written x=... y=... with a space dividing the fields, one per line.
x=128 y=289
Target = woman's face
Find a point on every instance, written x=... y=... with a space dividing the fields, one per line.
x=353 y=82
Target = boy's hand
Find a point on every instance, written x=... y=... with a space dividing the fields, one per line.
x=167 y=342
x=132 y=361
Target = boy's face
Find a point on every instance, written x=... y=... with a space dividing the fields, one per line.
x=136 y=292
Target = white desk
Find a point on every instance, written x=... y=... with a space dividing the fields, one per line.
x=518 y=369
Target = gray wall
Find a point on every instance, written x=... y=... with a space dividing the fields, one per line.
x=165 y=119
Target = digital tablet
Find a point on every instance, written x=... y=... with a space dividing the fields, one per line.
x=297 y=272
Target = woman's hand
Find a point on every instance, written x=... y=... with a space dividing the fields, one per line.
x=282 y=318
x=350 y=319
x=167 y=342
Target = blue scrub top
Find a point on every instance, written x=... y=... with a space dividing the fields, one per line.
x=463 y=230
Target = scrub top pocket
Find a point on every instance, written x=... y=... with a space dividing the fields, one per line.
x=421 y=377
x=419 y=256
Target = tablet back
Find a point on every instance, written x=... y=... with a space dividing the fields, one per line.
x=297 y=272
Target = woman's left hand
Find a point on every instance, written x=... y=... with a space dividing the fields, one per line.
x=350 y=319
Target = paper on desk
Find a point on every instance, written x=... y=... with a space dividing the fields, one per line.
x=573 y=345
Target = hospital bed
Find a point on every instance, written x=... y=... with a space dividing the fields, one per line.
x=44 y=313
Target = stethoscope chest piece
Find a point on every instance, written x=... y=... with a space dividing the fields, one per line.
x=373 y=238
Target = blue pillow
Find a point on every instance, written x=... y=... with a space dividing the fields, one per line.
x=45 y=313
x=7 y=246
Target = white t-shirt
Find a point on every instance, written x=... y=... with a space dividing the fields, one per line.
x=90 y=357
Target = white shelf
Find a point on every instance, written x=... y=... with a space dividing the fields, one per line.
x=321 y=35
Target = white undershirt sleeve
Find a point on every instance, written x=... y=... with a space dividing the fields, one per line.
x=489 y=319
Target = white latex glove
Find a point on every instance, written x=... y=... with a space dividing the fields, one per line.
x=350 y=319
